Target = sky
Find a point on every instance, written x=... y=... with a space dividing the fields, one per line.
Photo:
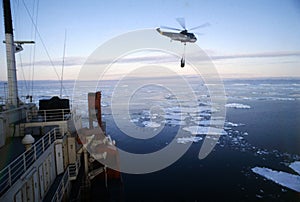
x=246 y=39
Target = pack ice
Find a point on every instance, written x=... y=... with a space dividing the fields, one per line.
x=285 y=179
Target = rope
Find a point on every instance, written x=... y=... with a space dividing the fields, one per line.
x=184 y=50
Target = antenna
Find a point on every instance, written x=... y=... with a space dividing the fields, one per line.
x=63 y=65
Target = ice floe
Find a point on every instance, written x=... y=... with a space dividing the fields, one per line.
x=191 y=109
x=175 y=116
x=151 y=124
x=205 y=114
x=212 y=122
x=199 y=130
x=295 y=166
x=134 y=120
x=175 y=122
x=262 y=152
x=281 y=98
x=104 y=104
x=237 y=106
x=184 y=140
x=283 y=178
x=230 y=124
x=170 y=96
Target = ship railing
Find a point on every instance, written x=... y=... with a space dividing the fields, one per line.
x=48 y=115
x=63 y=185
x=16 y=169
x=74 y=169
x=2 y=101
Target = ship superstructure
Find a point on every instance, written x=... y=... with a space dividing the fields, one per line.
x=40 y=156
x=43 y=148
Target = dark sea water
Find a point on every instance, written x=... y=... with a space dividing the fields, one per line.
x=273 y=141
x=268 y=136
x=265 y=132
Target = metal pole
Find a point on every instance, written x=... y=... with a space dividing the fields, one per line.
x=10 y=56
x=86 y=166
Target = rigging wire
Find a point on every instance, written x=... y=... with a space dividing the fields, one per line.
x=32 y=14
x=16 y=8
x=34 y=49
x=22 y=70
x=31 y=48
x=63 y=65
x=41 y=39
x=28 y=78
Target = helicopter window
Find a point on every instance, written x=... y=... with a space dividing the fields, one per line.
x=191 y=35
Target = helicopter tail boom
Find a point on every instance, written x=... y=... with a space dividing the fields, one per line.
x=159 y=31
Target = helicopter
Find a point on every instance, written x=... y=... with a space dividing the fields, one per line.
x=183 y=36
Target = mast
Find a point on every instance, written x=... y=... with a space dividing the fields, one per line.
x=10 y=56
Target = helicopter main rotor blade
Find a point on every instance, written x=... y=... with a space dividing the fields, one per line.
x=201 y=26
x=172 y=28
x=181 y=21
x=198 y=33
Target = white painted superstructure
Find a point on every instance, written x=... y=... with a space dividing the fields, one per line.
x=51 y=153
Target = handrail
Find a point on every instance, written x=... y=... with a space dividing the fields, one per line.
x=70 y=174
x=2 y=101
x=13 y=171
x=63 y=185
x=48 y=115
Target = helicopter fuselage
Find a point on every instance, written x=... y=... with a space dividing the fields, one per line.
x=182 y=36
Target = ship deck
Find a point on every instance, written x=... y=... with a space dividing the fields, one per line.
x=10 y=151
